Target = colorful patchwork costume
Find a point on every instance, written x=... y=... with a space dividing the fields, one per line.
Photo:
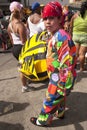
x=61 y=62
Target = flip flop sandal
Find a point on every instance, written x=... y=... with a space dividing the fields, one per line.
x=33 y=120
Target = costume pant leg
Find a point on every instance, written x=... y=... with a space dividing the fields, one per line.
x=54 y=100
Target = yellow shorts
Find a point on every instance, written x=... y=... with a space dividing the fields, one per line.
x=80 y=39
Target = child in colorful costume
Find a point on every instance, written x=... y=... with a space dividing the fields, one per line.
x=61 y=62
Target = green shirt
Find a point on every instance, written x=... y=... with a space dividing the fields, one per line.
x=80 y=25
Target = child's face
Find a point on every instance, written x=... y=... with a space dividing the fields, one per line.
x=52 y=24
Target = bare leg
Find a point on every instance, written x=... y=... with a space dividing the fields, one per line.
x=82 y=53
x=23 y=79
x=24 y=83
x=77 y=50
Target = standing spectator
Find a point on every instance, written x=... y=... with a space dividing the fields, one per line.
x=67 y=17
x=3 y=31
x=79 y=33
x=18 y=34
x=16 y=29
x=61 y=61
x=34 y=22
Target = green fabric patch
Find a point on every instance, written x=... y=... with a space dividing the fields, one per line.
x=59 y=44
x=56 y=64
x=68 y=83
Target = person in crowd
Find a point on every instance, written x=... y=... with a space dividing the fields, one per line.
x=18 y=34
x=61 y=62
x=79 y=33
x=65 y=10
x=16 y=29
x=35 y=22
x=3 y=31
x=67 y=17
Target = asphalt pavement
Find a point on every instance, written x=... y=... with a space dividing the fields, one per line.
x=29 y=104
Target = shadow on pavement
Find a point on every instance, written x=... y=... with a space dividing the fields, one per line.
x=44 y=85
x=9 y=50
x=10 y=107
x=8 y=78
x=41 y=87
x=81 y=75
x=19 y=106
x=7 y=126
x=76 y=111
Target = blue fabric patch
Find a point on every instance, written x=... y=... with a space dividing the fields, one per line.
x=71 y=43
x=61 y=38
